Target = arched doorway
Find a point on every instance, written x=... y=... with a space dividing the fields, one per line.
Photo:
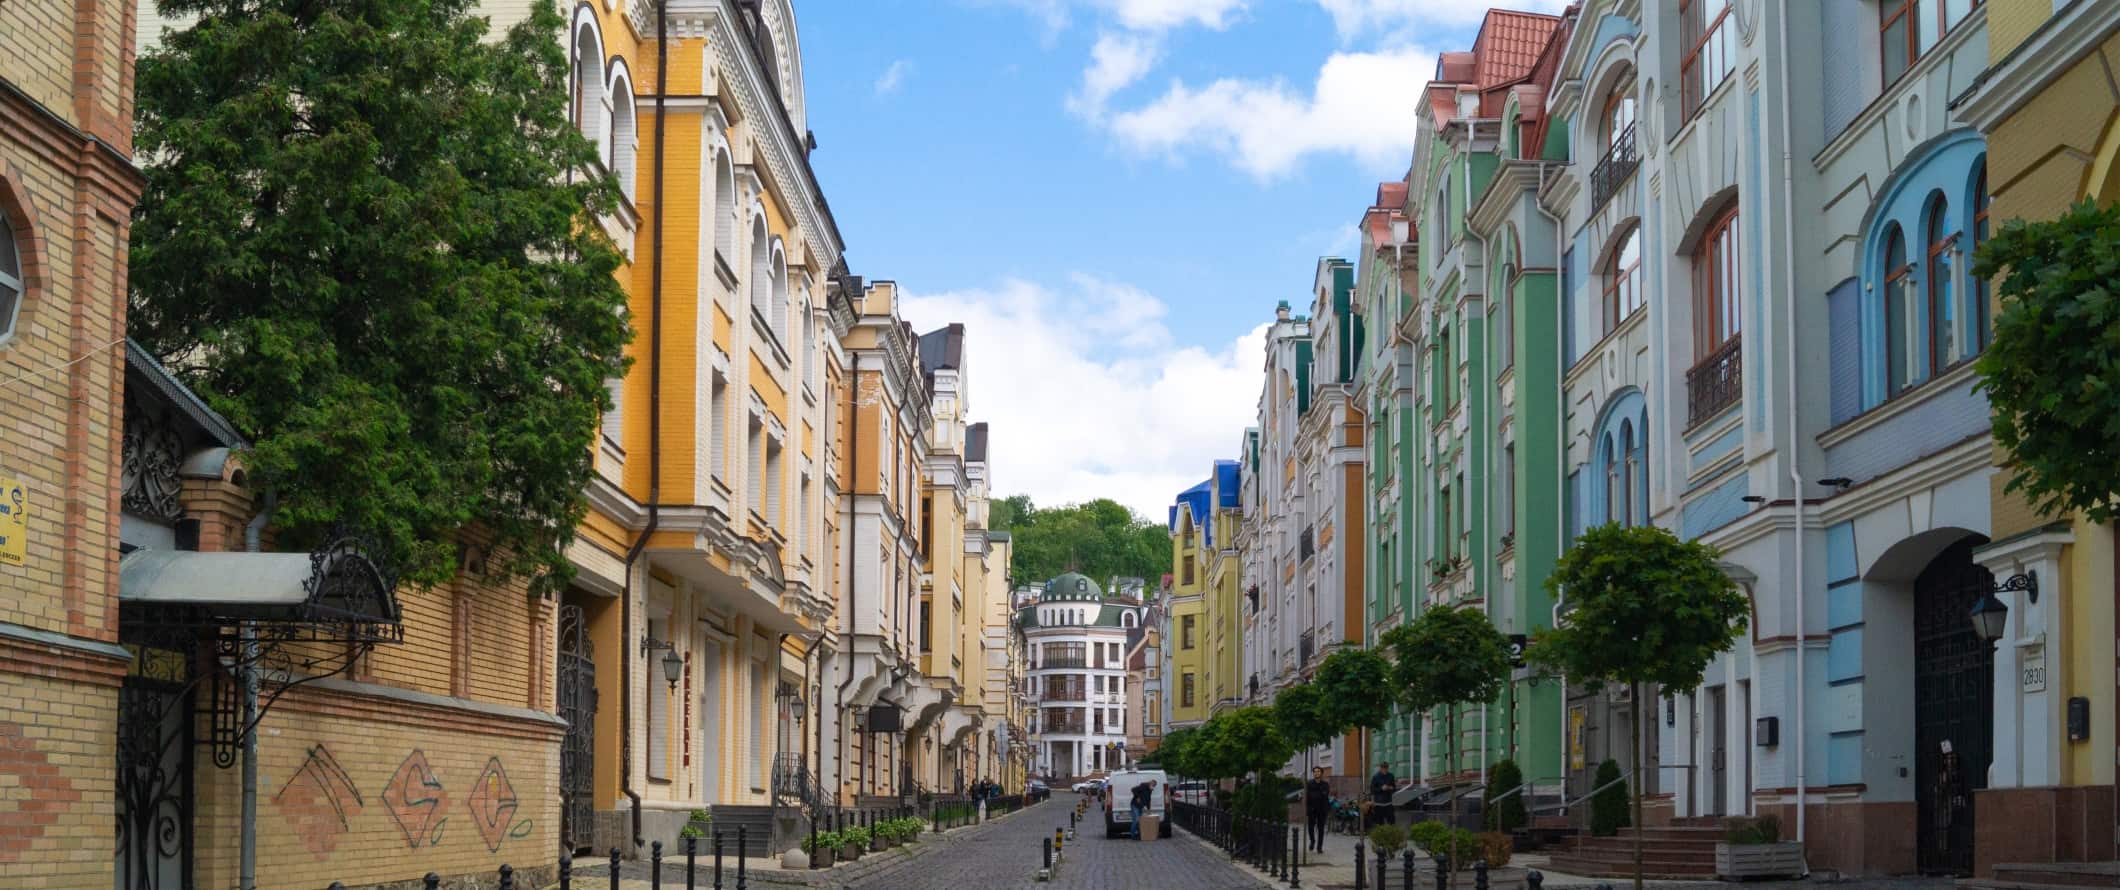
x=1954 y=706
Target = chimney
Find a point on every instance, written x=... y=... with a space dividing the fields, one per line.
x=1280 y=312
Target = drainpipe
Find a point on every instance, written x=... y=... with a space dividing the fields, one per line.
x=1560 y=435
x=247 y=873
x=852 y=603
x=625 y=673
x=1788 y=223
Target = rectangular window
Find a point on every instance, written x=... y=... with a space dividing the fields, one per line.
x=927 y=615
x=1908 y=29
x=1508 y=499
x=1185 y=634
x=755 y=464
x=761 y=695
x=776 y=484
x=1185 y=685
x=927 y=525
x=1186 y=572
x=718 y=422
x=1716 y=290
x=614 y=419
x=1711 y=52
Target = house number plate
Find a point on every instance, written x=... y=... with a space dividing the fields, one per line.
x=2034 y=669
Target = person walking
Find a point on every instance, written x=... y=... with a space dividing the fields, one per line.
x=1143 y=793
x=1381 y=787
x=1317 y=806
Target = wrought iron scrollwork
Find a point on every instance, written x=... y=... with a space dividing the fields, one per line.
x=152 y=453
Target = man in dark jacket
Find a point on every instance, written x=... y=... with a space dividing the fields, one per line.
x=1317 y=806
x=1381 y=787
x=1144 y=794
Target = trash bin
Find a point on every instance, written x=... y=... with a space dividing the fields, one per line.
x=1151 y=826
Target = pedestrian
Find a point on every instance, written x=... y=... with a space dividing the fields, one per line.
x=1317 y=806
x=1143 y=793
x=1381 y=787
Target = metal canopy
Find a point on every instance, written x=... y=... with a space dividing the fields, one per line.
x=337 y=594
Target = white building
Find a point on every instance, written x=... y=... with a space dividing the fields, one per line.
x=1076 y=636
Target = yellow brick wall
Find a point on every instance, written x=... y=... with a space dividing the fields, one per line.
x=365 y=791
x=37 y=52
x=57 y=788
x=2011 y=21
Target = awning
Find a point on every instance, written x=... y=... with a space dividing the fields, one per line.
x=334 y=594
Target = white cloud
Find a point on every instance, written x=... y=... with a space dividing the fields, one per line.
x=1362 y=104
x=1116 y=62
x=1358 y=17
x=892 y=78
x=1088 y=396
x=1159 y=15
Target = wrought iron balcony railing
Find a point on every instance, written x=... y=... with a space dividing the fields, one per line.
x=1614 y=168
x=1714 y=383
x=1305 y=647
x=1058 y=663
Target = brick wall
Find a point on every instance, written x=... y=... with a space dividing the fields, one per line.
x=56 y=786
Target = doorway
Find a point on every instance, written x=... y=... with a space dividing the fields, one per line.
x=576 y=692
x=1954 y=707
x=1718 y=734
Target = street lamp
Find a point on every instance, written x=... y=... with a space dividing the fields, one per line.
x=1990 y=614
x=672 y=664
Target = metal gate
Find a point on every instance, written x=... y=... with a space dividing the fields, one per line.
x=577 y=753
x=155 y=774
x=1954 y=707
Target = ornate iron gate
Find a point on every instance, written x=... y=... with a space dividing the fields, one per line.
x=1954 y=706
x=577 y=753
x=155 y=774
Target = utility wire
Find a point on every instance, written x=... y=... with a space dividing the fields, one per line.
x=39 y=372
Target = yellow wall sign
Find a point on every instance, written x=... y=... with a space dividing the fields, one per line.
x=14 y=521
x=1576 y=741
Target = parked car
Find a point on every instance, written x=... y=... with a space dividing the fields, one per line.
x=1119 y=815
x=1089 y=786
x=1194 y=793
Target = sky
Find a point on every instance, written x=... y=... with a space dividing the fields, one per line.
x=1112 y=195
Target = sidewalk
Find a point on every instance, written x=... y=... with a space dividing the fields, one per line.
x=1334 y=869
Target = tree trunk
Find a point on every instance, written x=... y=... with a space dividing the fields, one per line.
x=1636 y=725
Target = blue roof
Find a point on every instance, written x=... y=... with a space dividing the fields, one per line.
x=1227 y=481
x=1195 y=499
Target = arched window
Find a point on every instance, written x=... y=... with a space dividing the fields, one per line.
x=622 y=144
x=761 y=283
x=588 y=87
x=1623 y=290
x=778 y=320
x=1619 y=114
x=725 y=224
x=809 y=356
x=1900 y=336
x=1505 y=319
x=1943 y=317
x=1979 y=314
x=1716 y=285
x=11 y=277
x=1615 y=486
x=1630 y=448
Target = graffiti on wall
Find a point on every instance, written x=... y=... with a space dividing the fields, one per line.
x=320 y=801
x=493 y=805
x=49 y=792
x=416 y=801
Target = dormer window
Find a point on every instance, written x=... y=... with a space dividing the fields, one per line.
x=1909 y=28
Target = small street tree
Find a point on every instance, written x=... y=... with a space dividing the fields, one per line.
x=2052 y=372
x=1354 y=691
x=1297 y=713
x=1644 y=609
x=367 y=239
x=1248 y=741
x=1448 y=657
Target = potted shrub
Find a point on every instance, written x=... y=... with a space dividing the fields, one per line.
x=1388 y=838
x=855 y=841
x=822 y=848
x=1754 y=849
x=700 y=825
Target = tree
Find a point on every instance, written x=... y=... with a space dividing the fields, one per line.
x=1643 y=608
x=2052 y=372
x=366 y=239
x=1100 y=538
x=1608 y=804
x=1296 y=712
x=1508 y=815
x=1354 y=690
x=1175 y=753
x=1447 y=657
x=1247 y=740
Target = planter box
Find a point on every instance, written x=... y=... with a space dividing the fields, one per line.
x=849 y=853
x=821 y=857
x=878 y=845
x=1783 y=860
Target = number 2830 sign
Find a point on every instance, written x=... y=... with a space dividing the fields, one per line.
x=2032 y=669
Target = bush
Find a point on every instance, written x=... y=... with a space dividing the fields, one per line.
x=695 y=825
x=1608 y=808
x=1509 y=815
x=1388 y=838
x=1261 y=800
x=1763 y=830
x=1430 y=835
x=855 y=836
x=824 y=840
x=1496 y=848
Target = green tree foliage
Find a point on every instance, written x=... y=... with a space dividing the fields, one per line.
x=1509 y=815
x=1176 y=751
x=1644 y=608
x=2052 y=372
x=366 y=238
x=1444 y=658
x=1246 y=741
x=1099 y=538
x=1296 y=712
x=1608 y=808
x=1354 y=690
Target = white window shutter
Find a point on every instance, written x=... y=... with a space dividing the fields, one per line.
x=658 y=709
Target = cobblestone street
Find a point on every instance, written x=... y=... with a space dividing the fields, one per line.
x=1006 y=855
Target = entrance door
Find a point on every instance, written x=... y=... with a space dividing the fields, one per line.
x=1718 y=751
x=155 y=775
x=577 y=753
x=1954 y=707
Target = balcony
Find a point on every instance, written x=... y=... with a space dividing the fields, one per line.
x=1066 y=695
x=1054 y=664
x=1306 y=646
x=1613 y=170
x=1715 y=383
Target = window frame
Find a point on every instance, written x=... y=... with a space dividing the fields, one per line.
x=12 y=237
x=1897 y=289
x=1937 y=290
x=1978 y=322
x=1621 y=281
x=1718 y=293
x=1698 y=34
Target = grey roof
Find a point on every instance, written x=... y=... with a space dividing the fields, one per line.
x=975 y=442
x=180 y=397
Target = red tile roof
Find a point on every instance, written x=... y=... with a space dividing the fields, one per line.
x=1508 y=45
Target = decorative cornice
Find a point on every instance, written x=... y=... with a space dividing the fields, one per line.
x=2054 y=49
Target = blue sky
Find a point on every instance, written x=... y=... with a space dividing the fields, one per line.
x=1111 y=194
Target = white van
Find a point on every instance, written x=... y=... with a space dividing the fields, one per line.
x=1119 y=817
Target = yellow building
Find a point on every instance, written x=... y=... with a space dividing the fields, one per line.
x=2047 y=105
x=1225 y=600
x=1185 y=643
x=1005 y=658
x=945 y=738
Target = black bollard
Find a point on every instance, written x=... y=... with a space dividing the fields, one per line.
x=655 y=865
x=507 y=877
x=432 y=880
x=1479 y=875
x=691 y=860
x=1295 y=863
x=743 y=851
x=1442 y=871
x=336 y=886
x=614 y=868
x=717 y=857
x=1359 y=861
x=1535 y=879
x=1407 y=862
x=1048 y=854
x=1383 y=860
x=566 y=872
